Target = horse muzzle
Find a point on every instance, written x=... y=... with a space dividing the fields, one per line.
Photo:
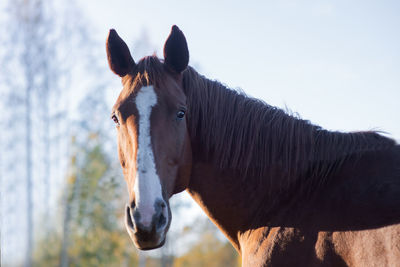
x=147 y=234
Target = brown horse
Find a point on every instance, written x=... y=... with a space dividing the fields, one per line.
x=285 y=192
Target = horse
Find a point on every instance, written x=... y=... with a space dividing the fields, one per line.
x=285 y=192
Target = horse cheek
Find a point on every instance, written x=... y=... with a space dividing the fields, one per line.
x=185 y=168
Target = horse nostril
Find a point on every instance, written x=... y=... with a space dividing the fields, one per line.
x=128 y=216
x=133 y=205
x=161 y=221
x=159 y=205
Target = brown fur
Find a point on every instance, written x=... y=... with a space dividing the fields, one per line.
x=284 y=192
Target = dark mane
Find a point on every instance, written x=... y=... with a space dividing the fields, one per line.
x=246 y=134
x=240 y=132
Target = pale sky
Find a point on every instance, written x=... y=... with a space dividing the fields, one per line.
x=336 y=63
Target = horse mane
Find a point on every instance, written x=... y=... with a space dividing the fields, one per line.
x=245 y=134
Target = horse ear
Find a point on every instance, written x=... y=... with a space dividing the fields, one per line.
x=176 y=53
x=118 y=55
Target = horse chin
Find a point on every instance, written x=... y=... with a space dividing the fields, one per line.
x=148 y=241
x=148 y=245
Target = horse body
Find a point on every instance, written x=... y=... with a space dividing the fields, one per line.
x=317 y=233
x=281 y=246
x=284 y=192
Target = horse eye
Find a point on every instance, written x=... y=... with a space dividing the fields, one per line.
x=180 y=114
x=115 y=119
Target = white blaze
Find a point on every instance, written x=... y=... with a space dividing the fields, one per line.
x=147 y=185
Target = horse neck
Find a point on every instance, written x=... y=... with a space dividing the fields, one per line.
x=228 y=200
x=240 y=191
x=234 y=131
x=231 y=198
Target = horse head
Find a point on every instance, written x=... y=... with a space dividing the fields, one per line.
x=153 y=141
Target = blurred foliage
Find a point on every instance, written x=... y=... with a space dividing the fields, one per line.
x=210 y=252
x=47 y=252
x=93 y=228
x=93 y=233
x=210 y=249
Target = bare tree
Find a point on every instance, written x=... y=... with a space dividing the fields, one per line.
x=28 y=16
x=40 y=44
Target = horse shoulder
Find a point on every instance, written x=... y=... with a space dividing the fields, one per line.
x=287 y=246
x=375 y=247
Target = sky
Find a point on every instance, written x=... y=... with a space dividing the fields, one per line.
x=336 y=63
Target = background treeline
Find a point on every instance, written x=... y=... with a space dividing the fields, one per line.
x=62 y=192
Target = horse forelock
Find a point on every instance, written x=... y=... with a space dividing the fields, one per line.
x=148 y=71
